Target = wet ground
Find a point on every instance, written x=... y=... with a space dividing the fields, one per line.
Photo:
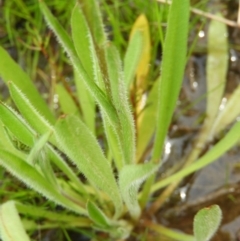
x=218 y=183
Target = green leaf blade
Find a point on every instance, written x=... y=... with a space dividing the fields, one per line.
x=173 y=64
x=130 y=179
x=10 y=71
x=206 y=222
x=30 y=176
x=11 y=227
x=83 y=149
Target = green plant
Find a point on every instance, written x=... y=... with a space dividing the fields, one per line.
x=100 y=188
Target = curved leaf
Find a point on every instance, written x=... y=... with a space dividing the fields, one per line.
x=76 y=140
x=11 y=227
x=11 y=71
x=206 y=222
x=130 y=179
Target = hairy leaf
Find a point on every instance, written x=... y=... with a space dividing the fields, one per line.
x=11 y=71
x=206 y=222
x=31 y=177
x=33 y=116
x=67 y=44
x=126 y=129
x=130 y=179
x=82 y=148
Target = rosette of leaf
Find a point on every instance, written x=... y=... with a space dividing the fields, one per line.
x=70 y=145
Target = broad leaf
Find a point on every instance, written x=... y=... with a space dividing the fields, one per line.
x=206 y=222
x=130 y=179
x=76 y=140
x=11 y=227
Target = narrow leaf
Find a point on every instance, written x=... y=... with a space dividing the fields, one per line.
x=31 y=177
x=229 y=113
x=84 y=48
x=141 y=24
x=68 y=106
x=82 y=148
x=146 y=122
x=16 y=124
x=24 y=133
x=38 y=146
x=132 y=57
x=227 y=142
x=97 y=216
x=67 y=44
x=206 y=222
x=33 y=117
x=11 y=227
x=130 y=179
x=173 y=65
x=217 y=64
x=126 y=130
x=11 y=71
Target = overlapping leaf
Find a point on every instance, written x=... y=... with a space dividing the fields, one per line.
x=82 y=148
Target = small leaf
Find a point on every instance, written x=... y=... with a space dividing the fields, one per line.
x=76 y=140
x=130 y=179
x=11 y=227
x=206 y=222
x=97 y=216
